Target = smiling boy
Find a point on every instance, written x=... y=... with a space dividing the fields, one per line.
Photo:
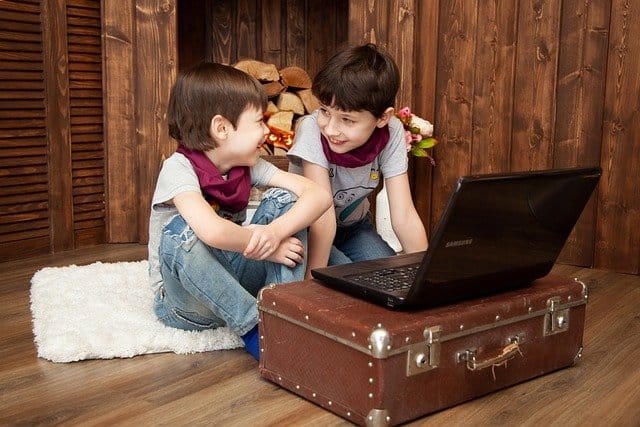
x=347 y=146
x=206 y=267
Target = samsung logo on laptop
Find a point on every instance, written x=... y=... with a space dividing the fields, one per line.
x=456 y=243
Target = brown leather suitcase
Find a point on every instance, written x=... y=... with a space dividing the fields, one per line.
x=374 y=366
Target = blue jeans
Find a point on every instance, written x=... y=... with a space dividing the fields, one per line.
x=358 y=242
x=205 y=287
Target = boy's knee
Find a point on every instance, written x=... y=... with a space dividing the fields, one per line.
x=280 y=196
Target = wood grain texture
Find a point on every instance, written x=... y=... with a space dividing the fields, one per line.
x=618 y=232
x=579 y=110
x=221 y=29
x=369 y=22
x=295 y=36
x=535 y=82
x=493 y=87
x=225 y=385
x=271 y=41
x=424 y=103
x=402 y=22
x=246 y=36
x=454 y=92
x=192 y=34
x=156 y=69
x=120 y=125
x=56 y=62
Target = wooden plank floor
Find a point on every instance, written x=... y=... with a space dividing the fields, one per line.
x=224 y=388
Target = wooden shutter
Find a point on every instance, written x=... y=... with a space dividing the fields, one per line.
x=24 y=191
x=51 y=151
x=85 y=100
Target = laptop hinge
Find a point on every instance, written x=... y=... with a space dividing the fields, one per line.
x=424 y=356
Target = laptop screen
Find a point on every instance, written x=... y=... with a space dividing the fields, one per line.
x=508 y=223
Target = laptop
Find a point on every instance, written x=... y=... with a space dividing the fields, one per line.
x=498 y=232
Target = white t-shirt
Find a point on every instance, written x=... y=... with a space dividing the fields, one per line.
x=177 y=176
x=349 y=186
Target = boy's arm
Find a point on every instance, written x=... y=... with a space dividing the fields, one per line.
x=322 y=231
x=404 y=218
x=208 y=226
x=313 y=201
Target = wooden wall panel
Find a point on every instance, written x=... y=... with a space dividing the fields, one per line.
x=424 y=100
x=402 y=22
x=156 y=69
x=56 y=59
x=282 y=32
x=295 y=34
x=579 y=108
x=535 y=80
x=326 y=32
x=369 y=22
x=618 y=230
x=247 y=21
x=271 y=41
x=493 y=86
x=120 y=127
x=219 y=30
x=454 y=94
x=193 y=43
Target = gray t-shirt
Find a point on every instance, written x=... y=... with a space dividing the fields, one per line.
x=349 y=186
x=177 y=176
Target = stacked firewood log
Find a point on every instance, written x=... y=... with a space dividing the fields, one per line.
x=289 y=93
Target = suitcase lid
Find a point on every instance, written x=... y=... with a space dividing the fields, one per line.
x=382 y=332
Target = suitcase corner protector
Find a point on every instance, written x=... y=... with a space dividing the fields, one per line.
x=378 y=418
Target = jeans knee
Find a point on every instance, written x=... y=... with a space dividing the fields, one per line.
x=177 y=234
x=274 y=203
x=280 y=196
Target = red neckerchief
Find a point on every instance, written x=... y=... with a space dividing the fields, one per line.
x=231 y=194
x=362 y=155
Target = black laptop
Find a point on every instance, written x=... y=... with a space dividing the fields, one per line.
x=498 y=232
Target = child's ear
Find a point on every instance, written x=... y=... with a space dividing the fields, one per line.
x=385 y=117
x=219 y=127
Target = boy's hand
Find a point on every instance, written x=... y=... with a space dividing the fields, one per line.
x=290 y=252
x=263 y=242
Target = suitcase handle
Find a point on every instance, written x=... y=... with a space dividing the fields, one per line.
x=507 y=353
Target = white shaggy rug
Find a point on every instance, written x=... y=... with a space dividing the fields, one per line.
x=105 y=310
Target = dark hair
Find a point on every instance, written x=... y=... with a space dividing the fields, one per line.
x=204 y=91
x=358 y=78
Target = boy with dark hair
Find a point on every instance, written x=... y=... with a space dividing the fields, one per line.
x=346 y=146
x=205 y=267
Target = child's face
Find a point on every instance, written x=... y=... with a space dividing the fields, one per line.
x=346 y=130
x=245 y=140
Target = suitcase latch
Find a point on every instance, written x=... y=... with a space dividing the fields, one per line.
x=424 y=356
x=557 y=318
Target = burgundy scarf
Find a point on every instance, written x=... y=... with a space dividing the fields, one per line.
x=362 y=155
x=232 y=194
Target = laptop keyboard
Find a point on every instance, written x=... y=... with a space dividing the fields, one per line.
x=388 y=279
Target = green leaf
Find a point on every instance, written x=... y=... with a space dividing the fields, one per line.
x=427 y=143
x=418 y=152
